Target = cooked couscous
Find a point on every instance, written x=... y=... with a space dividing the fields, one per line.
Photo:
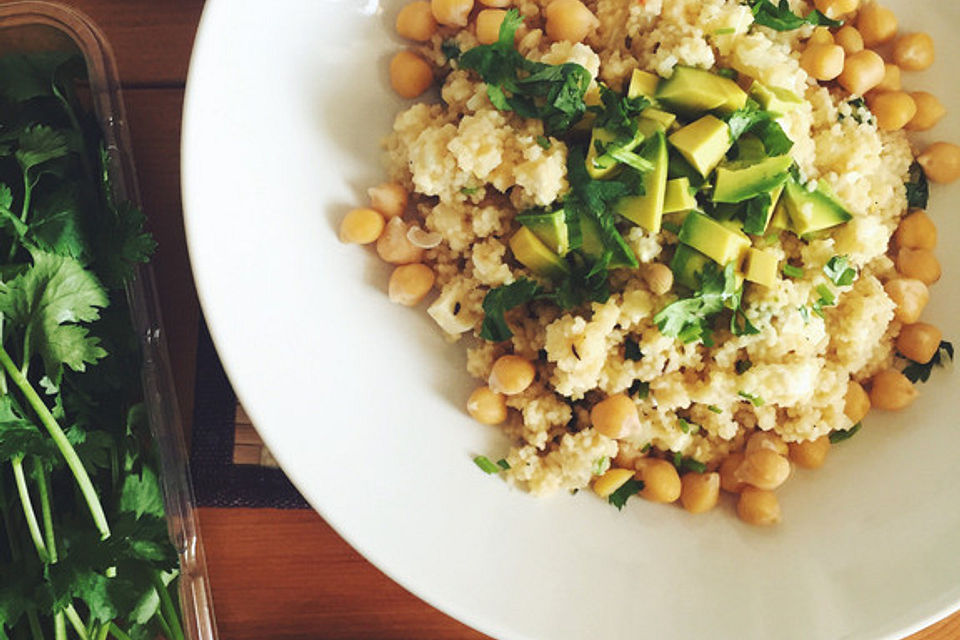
x=712 y=343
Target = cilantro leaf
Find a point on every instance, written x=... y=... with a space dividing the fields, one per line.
x=688 y=319
x=920 y=372
x=47 y=300
x=918 y=188
x=752 y=119
x=630 y=488
x=140 y=493
x=500 y=300
x=29 y=76
x=619 y=113
x=839 y=272
x=39 y=144
x=755 y=218
x=756 y=401
x=779 y=17
x=844 y=434
x=685 y=464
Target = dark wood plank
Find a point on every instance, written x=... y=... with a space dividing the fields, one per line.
x=287 y=575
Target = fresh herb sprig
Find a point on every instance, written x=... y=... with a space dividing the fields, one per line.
x=84 y=541
x=918 y=189
x=779 y=17
x=920 y=372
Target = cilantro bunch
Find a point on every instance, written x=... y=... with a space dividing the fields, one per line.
x=84 y=549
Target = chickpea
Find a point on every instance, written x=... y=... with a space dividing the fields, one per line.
x=497 y=4
x=820 y=35
x=410 y=75
x=511 y=375
x=892 y=391
x=929 y=111
x=569 y=20
x=919 y=264
x=892 y=80
x=764 y=469
x=766 y=440
x=876 y=24
x=488 y=25
x=389 y=198
x=452 y=13
x=486 y=406
x=850 y=39
x=661 y=482
x=917 y=231
x=893 y=109
x=728 y=473
x=394 y=247
x=914 y=52
x=610 y=481
x=361 y=226
x=615 y=416
x=910 y=296
x=836 y=8
x=856 y=402
x=416 y=22
x=699 y=492
x=659 y=278
x=758 y=507
x=823 y=61
x=810 y=454
x=919 y=342
x=941 y=162
x=862 y=71
x=410 y=283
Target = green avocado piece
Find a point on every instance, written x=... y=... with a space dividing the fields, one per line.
x=687 y=265
x=530 y=251
x=643 y=83
x=600 y=164
x=750 y=149
x=647 y=210
x=736 y=184
x=723 y=242
x=703 y=143
x=775 y=99
x=772 y=209
x=679 y=196
x=760 y=266
x=664 y=118
x=780 y=220
x=692 y=92
x=811 y=211
x=680 y=168
x=592 y=245
x=551 y=228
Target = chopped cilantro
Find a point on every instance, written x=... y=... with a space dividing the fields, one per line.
x=551 y=93
x=646 y=448
x=672 y=227
x=639 y=388
x=839 y=272
x=503 y=464
x=686 y=463
x=629 y=489
x=805 y=314
x=755 y=218
x=485 y=465
x=791 y=271
x=920 y=372
x=756 y=401
x=723 y=32
x=544 y=141
x=500 y=300
x=600 y=466
x=715 y=409
x=827 y=297
x=753 y=119
x=918 y=189
x=469 y=191
x=631 y=350
x=844 y=434
x=450 y=49
x=742 y=366
x=684 y=425
x=779 y=17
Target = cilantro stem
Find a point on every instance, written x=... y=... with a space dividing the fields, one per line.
x=117 y=632
x=76 y=622
x=59 y=626
x=28 y=513
x=168 y=608
x=60 y=439
x=164 y=627
x=11 y=540
x=102 y=632
x=35 y=630
x=46 y=511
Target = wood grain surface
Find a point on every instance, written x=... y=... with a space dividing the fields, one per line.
x=276 y=575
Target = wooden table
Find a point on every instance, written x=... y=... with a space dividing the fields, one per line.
x=275 y=574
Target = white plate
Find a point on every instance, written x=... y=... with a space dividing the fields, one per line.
x=362 y=401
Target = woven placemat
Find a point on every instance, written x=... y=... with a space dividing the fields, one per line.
x=229 y=463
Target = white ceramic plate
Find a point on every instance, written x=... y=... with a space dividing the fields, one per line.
x=362 y=401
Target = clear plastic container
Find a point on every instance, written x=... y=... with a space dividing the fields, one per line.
x=42 y=26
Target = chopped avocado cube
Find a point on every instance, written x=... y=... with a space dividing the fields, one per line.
x=692 y=92
x=780 y=220
x=530 y=251
x=601 y=164
x=679 y=196
x=760 y=266
x=647 y=210
x=551 y=228
x=664 y=118
x=687 y=265
x=774 y=98
x=703 y=143
x=643 y=83
x=811 y=211
x=680 y=168
x=592 y=245
x=722 y=242
x=736 y=184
